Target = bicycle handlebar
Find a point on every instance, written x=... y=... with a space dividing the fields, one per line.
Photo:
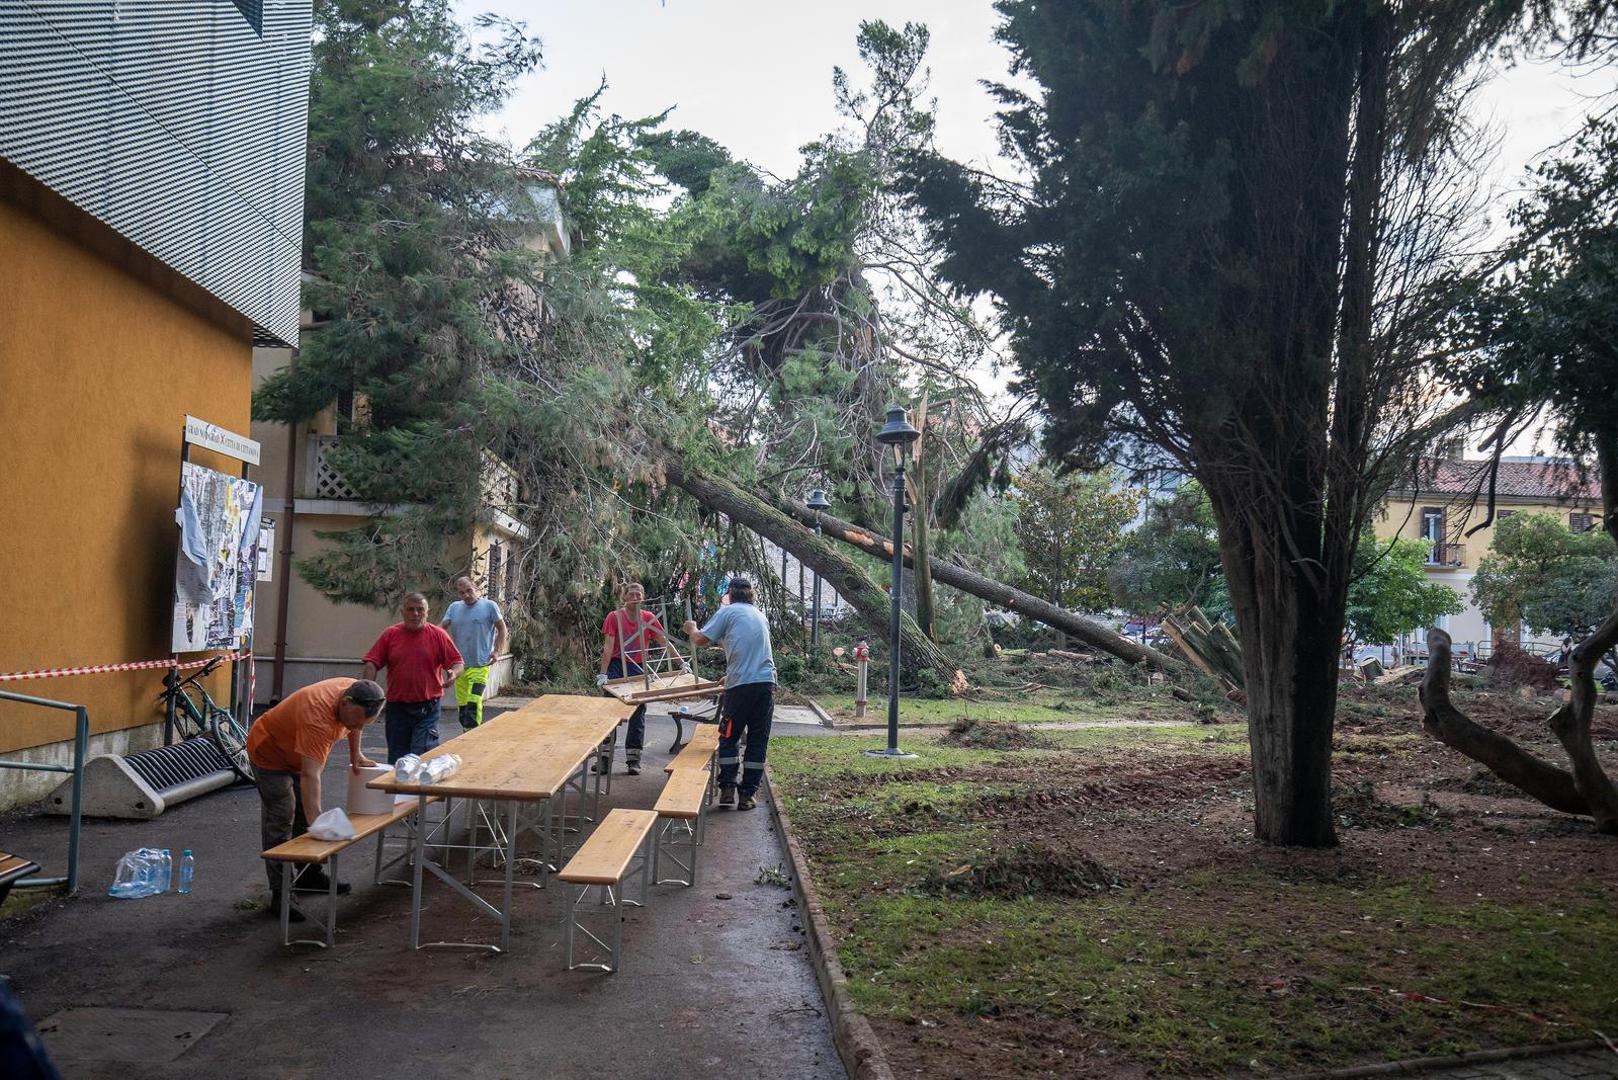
x=172 y=684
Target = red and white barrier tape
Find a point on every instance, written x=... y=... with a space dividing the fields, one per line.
x=133 y=665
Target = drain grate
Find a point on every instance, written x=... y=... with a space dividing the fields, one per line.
x=136 y=1036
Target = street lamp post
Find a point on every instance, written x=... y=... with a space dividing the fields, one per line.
x=898 y=433
x=817 y=502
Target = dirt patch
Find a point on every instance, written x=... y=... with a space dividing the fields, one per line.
x=992 y=735
x=1511 y=667
x=1025 y=868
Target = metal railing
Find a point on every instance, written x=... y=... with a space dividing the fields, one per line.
x=1447 y=555
x=81 y=745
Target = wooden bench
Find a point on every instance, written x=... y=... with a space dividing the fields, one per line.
x=306 y=850
x=13 y=868
x=603 y=862
x=682 y=811
x=699 y=752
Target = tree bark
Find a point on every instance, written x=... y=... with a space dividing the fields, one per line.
x=1527 y=773
x=956 y=576
x=1290 y=633
x=920 y=545
x=916 y=653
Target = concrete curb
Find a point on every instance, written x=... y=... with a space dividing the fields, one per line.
x=1417 y=1066
x=856 y=1042
x=825 y=717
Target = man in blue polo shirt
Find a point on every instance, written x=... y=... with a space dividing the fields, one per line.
x=479 y=632
x=744 y=633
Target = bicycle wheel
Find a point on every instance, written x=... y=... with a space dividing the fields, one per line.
x=228 y=735
x=188 y=721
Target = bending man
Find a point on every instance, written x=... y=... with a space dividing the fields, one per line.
x=289 y=746
x=749 y=705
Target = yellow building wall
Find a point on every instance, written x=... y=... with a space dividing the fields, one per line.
x=1402 y=517
x=97 y=372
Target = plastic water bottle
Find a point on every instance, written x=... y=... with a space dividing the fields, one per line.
x=407 y=769
x=188 y=870
x=165 y=871
x=440 y=768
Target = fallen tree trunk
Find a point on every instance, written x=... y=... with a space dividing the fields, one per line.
x=916 y=652
x=995 y=592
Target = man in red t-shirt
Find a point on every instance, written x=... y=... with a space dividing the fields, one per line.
x=421 y=661
x=625 y=633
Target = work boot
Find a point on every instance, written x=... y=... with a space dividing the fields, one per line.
x=727 y=794
x=632 y=768
x=316 y=881
x=746 y=801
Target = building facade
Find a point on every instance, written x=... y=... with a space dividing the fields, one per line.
x=1442 y=505
x=151 y=200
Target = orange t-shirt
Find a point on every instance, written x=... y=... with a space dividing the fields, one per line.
x=304 y=725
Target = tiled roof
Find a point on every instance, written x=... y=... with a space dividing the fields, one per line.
x=1548 y=480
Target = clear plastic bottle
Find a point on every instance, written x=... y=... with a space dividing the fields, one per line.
x=188 y=870
x=440 y=768
x=165 y=871
x=406 y=769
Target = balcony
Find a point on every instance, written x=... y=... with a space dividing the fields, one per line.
x=320 y=479
x=1447 y=556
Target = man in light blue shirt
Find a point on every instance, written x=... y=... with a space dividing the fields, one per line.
x=479 y=632
x=744 y=633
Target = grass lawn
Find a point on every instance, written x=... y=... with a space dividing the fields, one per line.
x=1097 y=906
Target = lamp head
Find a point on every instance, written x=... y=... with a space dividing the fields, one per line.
x=817 y=500
x=898 y=432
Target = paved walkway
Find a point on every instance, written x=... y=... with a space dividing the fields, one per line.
x=1585 y=1065
x=715 y=981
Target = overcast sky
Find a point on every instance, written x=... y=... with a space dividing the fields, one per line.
x=756 y=76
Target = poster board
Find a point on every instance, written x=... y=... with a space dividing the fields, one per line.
x=217 y=562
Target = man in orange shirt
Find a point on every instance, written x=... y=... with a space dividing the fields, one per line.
x=289 y=746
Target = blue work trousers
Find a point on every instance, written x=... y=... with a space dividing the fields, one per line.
x=744 y=734
x=635 y=737
x=411 y=726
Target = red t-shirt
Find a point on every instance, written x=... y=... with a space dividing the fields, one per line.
x=416 y=661
x=625 y=644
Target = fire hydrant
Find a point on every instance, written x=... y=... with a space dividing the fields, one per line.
x=862 y=657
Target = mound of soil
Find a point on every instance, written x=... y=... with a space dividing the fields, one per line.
x=1512 y=667
x=992 y=735
x=1025 y=868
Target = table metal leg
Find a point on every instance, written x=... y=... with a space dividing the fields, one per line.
x=415 y=874
x=511 y=863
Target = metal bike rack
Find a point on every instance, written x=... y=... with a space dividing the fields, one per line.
x=81 y=743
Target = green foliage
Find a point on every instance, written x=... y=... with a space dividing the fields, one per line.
x=1542 y=329
x=1541 y=572
x=1390 y=593
x=1172 y=559
x=1071 y=528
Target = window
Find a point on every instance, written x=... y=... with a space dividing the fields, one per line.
x=253 y=12
x=495 y=579
x=1432 y=528
x=1581 y=523
x=511 y=578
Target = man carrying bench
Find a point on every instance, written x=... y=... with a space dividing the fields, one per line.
x=289 y=746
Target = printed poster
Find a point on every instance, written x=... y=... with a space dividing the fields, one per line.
x=215 y=570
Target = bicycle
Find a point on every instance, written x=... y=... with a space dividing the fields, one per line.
x=207 y=718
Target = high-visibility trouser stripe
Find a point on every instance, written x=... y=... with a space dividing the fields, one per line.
x=730 y=760
x=753 y=765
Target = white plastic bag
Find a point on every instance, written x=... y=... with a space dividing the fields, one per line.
x=332 y=825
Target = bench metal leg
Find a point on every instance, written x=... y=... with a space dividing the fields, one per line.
x=288 y=904
x=673 y=834
x=613 y=899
